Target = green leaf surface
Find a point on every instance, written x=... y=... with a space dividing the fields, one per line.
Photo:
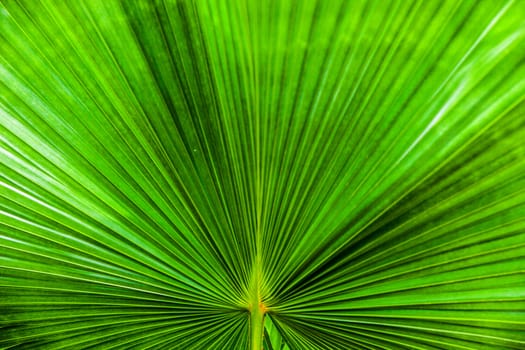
x=179 y=174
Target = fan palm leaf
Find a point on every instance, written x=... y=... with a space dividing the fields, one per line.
x=262 y=174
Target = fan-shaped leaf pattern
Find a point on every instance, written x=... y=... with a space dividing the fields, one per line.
x=278 y=174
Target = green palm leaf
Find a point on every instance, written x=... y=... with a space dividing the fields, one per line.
x=262 y=174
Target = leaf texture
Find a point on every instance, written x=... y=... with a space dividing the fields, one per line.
x=363 y=161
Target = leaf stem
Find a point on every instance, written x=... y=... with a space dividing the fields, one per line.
x=257 y=309
x=257 y=314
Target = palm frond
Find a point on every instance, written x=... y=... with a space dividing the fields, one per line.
x=277 y=174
